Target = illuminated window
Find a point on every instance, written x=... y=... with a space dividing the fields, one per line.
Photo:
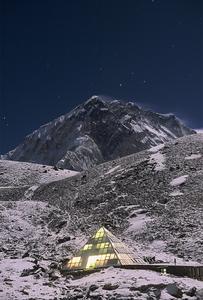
x=91 y=262
x=102 y=245
x=74 y=265
x=163 y=271
x=100 y=233
x=102 y=251
x=74 y=262
x=76 y=259
x=87 y=247
x=99 y=260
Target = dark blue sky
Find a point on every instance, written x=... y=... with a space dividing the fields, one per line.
x=57 y=53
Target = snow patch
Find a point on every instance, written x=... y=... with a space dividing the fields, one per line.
x=193 y=156
x=168 y=131
x=179 y=180
x=136 y=127
x=156 y=132
x=138 y=223
x=175 y=193
x=112 y=170
x=156 y=148
x=159 y=159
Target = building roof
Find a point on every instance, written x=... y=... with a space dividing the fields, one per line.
x=102 y=250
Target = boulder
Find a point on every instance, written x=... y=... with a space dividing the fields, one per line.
x=173 y=290
x=63 y=239
x=199 y=294
x=110 y=287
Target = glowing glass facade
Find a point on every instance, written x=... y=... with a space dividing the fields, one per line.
x=103 y=249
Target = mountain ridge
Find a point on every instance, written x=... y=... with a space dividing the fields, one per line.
x=96 y=131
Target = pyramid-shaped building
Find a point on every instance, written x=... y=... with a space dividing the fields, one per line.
x=102 y=250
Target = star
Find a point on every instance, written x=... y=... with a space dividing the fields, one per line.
x=145 y=81
x=120 y=84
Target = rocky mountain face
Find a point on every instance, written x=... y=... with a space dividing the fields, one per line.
x=152 y=200
x=97 y=131
x=162 y=187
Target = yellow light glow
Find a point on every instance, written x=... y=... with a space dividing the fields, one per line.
x=102 y=245
x=91 y=262
x=75 y=259
x=87 y=247
x=97 y=260
x=100 y=233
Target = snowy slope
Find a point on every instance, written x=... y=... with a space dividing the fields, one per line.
x=109 y=284
x=156 y=195
x=19 y=179
x=16 y=174
x=152 y=200
x=97 y=131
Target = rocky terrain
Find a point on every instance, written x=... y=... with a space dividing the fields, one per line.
x=97 y=131
x=163 y=185
x=152 y=200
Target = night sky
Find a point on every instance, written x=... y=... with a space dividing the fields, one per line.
x=55 y=54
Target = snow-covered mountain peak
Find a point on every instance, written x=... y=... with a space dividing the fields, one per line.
x=98 y=130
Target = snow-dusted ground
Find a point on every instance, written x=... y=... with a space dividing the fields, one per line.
x=156 y=148
x=130 y=284
x=112 y=282
x=107 y=191
x=13 y=173
x=14 y=286
x=51 y=221
x=159 y=159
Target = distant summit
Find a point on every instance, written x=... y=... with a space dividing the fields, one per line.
x=99 y=130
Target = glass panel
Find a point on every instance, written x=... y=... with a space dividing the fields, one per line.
x=100 y=233
x=87 y=247
x=97 y=260
x=102 y=245
x=75 y=259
